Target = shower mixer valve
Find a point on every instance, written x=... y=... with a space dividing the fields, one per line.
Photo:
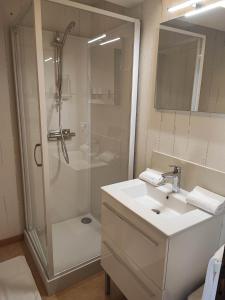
x=56 y=134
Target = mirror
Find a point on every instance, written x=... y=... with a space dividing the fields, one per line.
x=191 y=63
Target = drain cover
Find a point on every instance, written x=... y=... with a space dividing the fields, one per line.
x=86 y=220
x=156 y=211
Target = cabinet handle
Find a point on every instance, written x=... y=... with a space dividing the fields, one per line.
x=131 y=224
x=35 y=159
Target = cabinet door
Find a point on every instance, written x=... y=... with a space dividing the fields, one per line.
x=125 y=279
x=146 y=253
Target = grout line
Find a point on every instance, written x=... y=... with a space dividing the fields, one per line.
x=1 y=154
x=174 y=131
x=188 y=132
x=207 y=145
x=6 y=214
x=160 y=130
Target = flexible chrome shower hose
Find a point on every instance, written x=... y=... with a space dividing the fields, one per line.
x=59 y=44
x=58 y=66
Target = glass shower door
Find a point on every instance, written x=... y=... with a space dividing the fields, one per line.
x=96 y=105
x=32 y=127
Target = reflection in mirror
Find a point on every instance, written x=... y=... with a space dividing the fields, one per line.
x=174 y=84
x=178 y=73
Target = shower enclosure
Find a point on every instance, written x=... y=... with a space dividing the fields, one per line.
x=76 y=73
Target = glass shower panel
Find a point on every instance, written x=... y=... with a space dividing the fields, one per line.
x=30 y=123
x=110 y=99
x=94 y=108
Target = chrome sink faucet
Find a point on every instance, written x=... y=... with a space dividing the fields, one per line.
x=176 y=176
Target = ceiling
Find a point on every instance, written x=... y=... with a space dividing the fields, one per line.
x=212 y=19
x=126 y=3
x=13 y=8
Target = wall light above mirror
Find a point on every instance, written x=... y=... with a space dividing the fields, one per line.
x=191 y=63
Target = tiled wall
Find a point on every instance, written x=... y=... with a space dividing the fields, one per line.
x=197 y=137
x=11 y=204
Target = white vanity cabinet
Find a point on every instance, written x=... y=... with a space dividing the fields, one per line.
x=144 y=262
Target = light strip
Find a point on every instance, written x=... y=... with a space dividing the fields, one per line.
x=205 y=8
x=183 y=5
x=97 y=38
x=47 y=59
x=110 y=41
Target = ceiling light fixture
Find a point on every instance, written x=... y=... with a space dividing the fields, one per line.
x=110 y=41
x=47 y=59
x=183 y=5
x=205 y=8
x=97 y=38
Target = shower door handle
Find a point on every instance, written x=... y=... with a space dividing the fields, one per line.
x=35 y=159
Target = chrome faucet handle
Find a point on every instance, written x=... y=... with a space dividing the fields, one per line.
x=176 y=169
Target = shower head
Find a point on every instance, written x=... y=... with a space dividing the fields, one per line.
x=58 y=42
x=68 y=30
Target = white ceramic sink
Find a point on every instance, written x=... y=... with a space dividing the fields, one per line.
x=159 y=200
x=169 y=212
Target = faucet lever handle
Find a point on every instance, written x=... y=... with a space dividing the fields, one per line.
x=176 y=169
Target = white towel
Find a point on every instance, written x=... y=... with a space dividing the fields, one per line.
x=212 y=276
x=152 y=176
x=206 y=200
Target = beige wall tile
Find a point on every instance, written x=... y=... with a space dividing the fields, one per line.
x=195 y=137
x=216 y=142
x=11 y=218
x=198 y=138
x=147 y=75
x=167 y=132
x=153 y=138
x=182 y=125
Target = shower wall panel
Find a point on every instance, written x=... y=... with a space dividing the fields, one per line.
x=110 y=121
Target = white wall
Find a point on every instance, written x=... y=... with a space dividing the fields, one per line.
x=11 y=204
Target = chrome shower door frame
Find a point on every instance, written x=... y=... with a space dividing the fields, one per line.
x=48 y=274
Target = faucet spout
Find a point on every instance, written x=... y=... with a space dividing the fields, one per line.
x=176 y=176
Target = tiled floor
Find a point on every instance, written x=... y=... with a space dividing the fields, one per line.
x=89 y=289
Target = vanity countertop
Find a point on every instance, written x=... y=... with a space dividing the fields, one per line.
x=140 y=197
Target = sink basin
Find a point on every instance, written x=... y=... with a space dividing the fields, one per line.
x=159 y=200
x=168 y=212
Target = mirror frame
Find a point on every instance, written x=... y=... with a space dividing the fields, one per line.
x=198 y=66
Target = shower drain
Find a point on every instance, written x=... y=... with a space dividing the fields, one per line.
x=86 y=220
